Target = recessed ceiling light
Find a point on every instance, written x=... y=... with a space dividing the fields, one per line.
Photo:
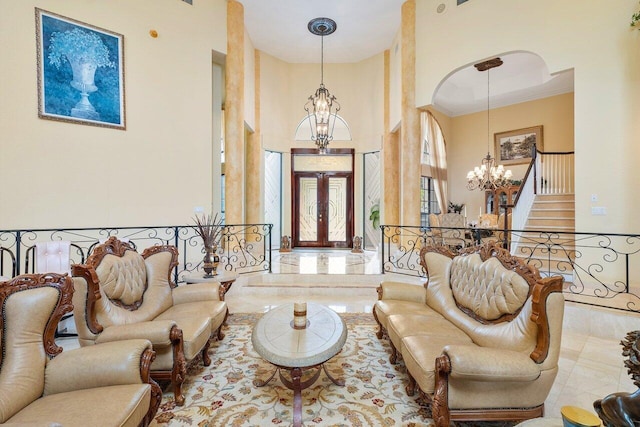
x=441 y=8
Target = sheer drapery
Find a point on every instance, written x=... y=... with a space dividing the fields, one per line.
x=432 y=134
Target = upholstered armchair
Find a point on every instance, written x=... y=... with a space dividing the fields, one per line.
x=488 y=220
x=453 y=233
x=121 y=294
x=106 y=385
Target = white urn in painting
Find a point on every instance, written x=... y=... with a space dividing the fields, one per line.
x=84 y=71
x=85 y=52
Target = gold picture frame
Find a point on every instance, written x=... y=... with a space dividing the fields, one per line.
x=515 y=146
x=80 y=72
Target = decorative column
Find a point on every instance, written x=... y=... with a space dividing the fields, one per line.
x=391 y=161
x=410 y=126
x=254 y=176
x=234 y=115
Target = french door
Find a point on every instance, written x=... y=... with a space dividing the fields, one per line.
x=322 y=207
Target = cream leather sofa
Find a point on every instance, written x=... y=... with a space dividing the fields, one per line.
x=41 y=385
x=481 y=339
x=121 y=294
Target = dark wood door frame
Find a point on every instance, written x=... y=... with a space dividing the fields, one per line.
x=322 y=207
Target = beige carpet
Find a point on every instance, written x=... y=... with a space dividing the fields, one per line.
x=223 y=394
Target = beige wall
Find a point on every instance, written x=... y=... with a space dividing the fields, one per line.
x=590 y=36
x=285 y=88
x=58 y=174
x=276 y=124
x=467 y=140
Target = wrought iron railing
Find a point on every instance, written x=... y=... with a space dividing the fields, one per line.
x=244 y=248
x=599 y=269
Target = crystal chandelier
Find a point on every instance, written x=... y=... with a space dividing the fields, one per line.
x=488 y=176
x=321 y=118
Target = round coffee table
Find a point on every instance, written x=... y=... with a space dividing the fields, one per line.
x=297 y=350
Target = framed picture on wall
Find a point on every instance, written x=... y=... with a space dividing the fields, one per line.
x=80 y=72
x=515 y=146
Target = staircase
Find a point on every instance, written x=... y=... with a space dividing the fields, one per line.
x=543 y=241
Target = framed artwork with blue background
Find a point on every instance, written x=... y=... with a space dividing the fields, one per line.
x=80 y=72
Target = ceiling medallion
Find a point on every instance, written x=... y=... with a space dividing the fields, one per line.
x=322 y=26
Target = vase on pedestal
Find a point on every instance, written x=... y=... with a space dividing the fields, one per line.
x=83 y=81
x=210 y=261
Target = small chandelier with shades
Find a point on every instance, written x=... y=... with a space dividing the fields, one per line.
x=488 y=176
x=322 y=107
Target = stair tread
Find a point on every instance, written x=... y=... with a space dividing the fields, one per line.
x=549 y=218
x=552 y=209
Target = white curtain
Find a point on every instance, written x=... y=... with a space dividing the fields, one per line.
x=432 y=135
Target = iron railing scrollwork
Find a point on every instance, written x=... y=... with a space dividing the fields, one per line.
x=599 y=269
x=244 y=248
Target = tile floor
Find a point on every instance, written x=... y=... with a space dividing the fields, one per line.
x=591 y=364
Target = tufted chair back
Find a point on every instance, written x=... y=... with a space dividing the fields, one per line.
x=456 y=237
x=53 y=256
x=32 y=306
x=453 y=220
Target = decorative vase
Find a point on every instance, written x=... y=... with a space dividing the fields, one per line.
x=210 y=261
x=83 y=80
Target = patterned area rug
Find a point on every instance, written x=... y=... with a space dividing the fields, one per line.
x=223 y=394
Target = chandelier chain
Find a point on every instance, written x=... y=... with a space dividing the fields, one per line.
x=322 y=107
x=488 y=111
x=322 y=60
x=489 y=175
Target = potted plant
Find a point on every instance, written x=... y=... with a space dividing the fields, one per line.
x=455 y=208
x=209 y=228
x=374 y=215
x=635 y=20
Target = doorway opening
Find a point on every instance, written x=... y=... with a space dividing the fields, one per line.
x=322 y=190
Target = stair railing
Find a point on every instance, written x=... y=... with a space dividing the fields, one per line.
x=522 y=204
x=548 y=173
x=555 y=171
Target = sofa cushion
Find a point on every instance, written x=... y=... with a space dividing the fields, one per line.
x=216 y=310
x=487 y=288
x=122 y=405
x=419 y=354
x=196 y=331
x=386 y=308
x=404 y=325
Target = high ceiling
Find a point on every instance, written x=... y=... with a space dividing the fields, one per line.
x=367 y=27
x=364 y=28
